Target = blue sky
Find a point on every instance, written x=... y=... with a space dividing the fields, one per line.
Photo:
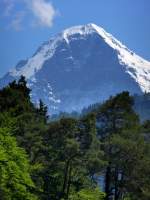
x=25 y=24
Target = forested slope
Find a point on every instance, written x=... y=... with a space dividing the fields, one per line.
x=63 y=159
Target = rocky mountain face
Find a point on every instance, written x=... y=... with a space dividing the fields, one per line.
x=80 y=66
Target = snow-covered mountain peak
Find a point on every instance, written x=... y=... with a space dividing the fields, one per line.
x=81 y=29
x=136 y=66
x=89 y=29
x=80 y=66
x=47 y=50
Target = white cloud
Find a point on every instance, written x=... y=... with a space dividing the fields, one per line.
x=9 y=5
x=43 y=12
x=40 y=12
x=16 y=23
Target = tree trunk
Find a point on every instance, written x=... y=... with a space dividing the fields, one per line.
x=116 y=184
x=108 y=181
x=65 y=179
x=69 y=182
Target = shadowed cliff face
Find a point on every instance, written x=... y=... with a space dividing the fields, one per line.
x=82 y=70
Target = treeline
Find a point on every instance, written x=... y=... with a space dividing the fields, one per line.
x=64 y=159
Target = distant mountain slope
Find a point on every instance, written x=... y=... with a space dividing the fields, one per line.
x=142 y=106
x=81 y=66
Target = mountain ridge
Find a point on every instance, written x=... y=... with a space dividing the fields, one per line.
x=65 y=69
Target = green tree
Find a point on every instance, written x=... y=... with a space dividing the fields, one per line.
x=15 y=180
x=115 y=115
x=88 y=194
x=25 y=123
x=131 y=155
x=15 y=98
x=74 y=156
x=42 y=111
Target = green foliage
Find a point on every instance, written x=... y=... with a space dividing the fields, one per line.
x=116 y=114
x=74 y=156
x=15 y=180
x=64 y=155
x=126 y=149
x=131 y=155
x=15 y=98
x=62 y=159
x=88 y=194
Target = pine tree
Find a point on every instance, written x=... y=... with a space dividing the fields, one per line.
x=115 y=115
